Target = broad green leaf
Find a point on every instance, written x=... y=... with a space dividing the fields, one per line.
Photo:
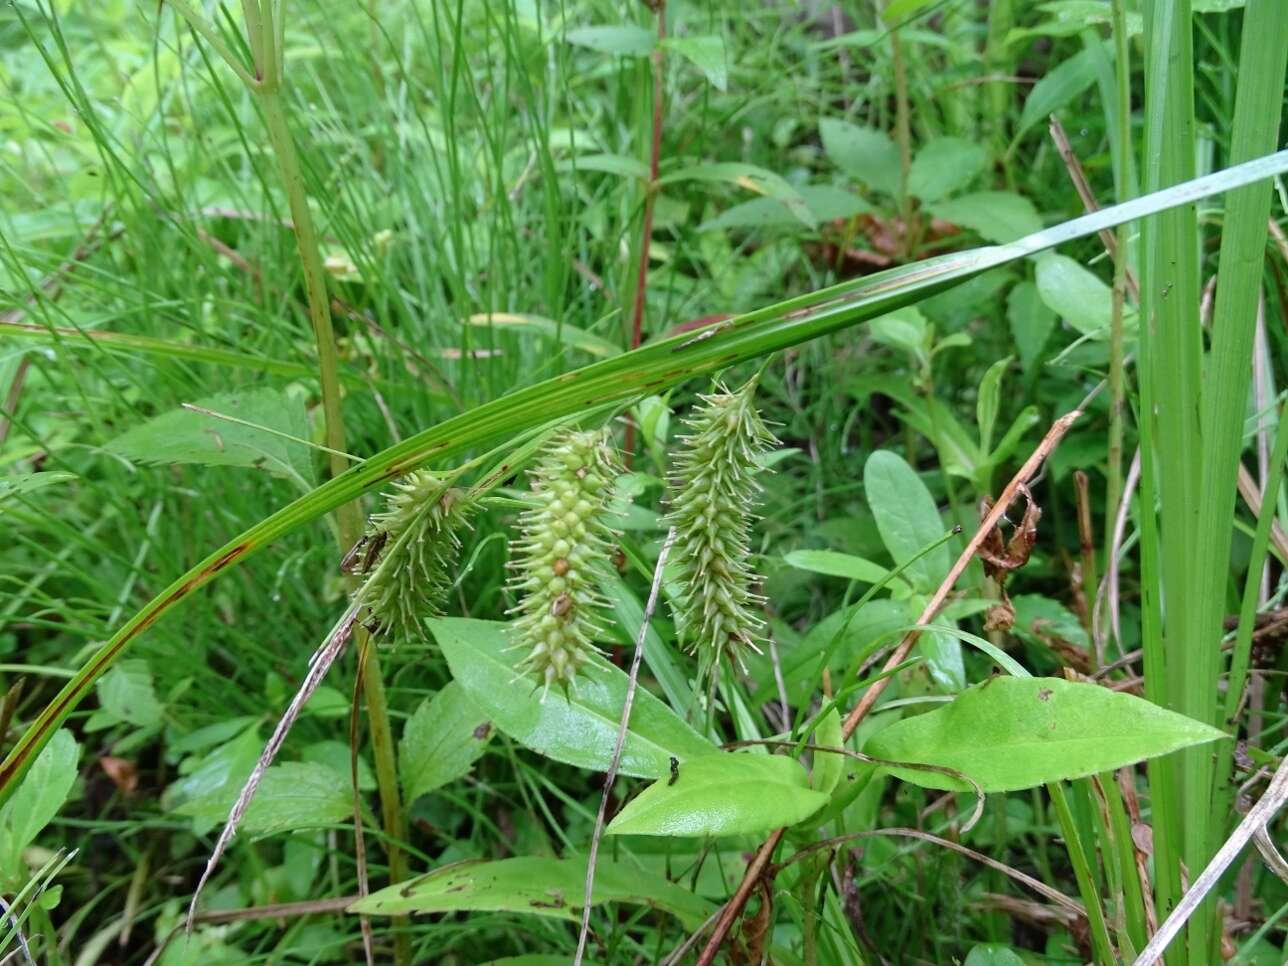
x=1011 y=733
x=619 y=164
x=20 y=483
x=1038 y=617
x=1031 y=321
x=828 y=767
x=580 y=729
x=1057 y=88
x=291 y=795
x=707 y=53
x=836 y=564
x=297 y=794
x=898 y=9
x=562 y=332
x=543 y=887
x=722 y=794
x=996 y=216
x=441 y=741
x=184 y=436
x=863 y=153
x=749 y=176
x=1076 y=294
x=992 y=954
x=654 y=366
x=906 y=517
x=990 y=390
x=825 y=202
x=906 y=330
x=624 y=41
x=37 y=800
x=945 y=166
x=125 y=694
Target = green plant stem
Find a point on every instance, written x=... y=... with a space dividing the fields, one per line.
x=1100 y=942
x=270 y=99
x=349 y=514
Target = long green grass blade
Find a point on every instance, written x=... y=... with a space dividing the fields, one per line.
x=649 y=369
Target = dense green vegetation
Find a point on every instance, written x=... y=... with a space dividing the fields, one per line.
x=466 y=346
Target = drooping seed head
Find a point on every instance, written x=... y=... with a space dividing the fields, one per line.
x=560 y=555
x=417 y=536
x=713 y=492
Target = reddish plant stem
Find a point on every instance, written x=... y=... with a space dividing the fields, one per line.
x=650 y=196
x=760 y=861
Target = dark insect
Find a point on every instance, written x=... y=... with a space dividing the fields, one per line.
x=362 y=556
x=675 y=771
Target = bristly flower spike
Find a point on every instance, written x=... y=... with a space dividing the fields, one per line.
x=560 y=556
x=410 y=551
x=713 y=493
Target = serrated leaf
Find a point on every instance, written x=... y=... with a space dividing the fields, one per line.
x=707 y=53
x=944 y=166
x=541 y=886
x=906 y=517
x=37 y=800
x=184 y=436
x=863 y=153
x=126 y=694
x=623 y=41
x=292 y=795
x=441 y=741
x=581 y=729
x=722 y=794
x=996 y=216
x=298 y=794
x=1011 y=733
x=20 y=483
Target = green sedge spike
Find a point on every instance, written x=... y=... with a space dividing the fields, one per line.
x=713 y=492
x=560 y=553
x=413 y=545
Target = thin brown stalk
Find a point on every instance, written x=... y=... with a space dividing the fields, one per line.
x=616 y=761
x=1080 y=184
x=319 y=664
x=760 y=861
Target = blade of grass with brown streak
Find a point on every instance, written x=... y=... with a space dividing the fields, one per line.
x=650 y=368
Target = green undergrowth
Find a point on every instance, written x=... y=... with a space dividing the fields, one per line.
x=478 y=175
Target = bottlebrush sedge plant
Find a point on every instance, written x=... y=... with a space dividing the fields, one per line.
x=713 y=490
x=560 y=554
x=413 y=545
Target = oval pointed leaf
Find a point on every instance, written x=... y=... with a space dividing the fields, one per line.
x=580 y=729
x=906 y=517
x=544 y=887
x=836 y=564
x=1011 y=733
x=441 y=741
x=722 y=794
